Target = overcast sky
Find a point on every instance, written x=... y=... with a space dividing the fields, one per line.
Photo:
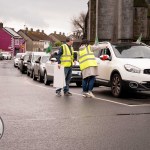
x=47 y=15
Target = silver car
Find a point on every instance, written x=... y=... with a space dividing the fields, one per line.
x=39 y=67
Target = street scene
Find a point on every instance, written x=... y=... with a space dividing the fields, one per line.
x=35 y=118
x=75 y=75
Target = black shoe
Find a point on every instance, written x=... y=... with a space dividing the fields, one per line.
x=58 y=94
x=68 y=94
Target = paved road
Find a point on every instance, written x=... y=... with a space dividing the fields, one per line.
x=35 y=119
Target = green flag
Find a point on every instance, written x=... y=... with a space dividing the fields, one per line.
x=48 y=50
x=96 y=40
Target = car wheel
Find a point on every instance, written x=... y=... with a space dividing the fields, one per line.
x=34 y=77
x=31 y=74
x=46 y=82
x=39 y=77
x=116 y=85
x=28 y=74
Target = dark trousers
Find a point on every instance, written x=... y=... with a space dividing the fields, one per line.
x=88 y=83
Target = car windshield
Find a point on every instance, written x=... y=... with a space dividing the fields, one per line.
x=131 y=51
x=45 y=59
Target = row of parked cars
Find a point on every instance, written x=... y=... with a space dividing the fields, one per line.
x=124 y=67
x=40 y=66
x=5 y=55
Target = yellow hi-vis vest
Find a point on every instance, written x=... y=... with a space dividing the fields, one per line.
x=86 y=58
x=67 y=56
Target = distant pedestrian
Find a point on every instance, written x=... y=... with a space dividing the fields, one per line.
x=65 y=58
x=88 y=67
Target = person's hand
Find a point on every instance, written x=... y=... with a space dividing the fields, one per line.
x=59 y=65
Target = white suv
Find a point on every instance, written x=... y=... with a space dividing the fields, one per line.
x=124 y=66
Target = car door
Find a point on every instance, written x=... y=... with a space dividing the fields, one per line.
x=37 y=65
x=104 y=66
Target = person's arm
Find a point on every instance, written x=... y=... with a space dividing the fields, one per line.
x=60 y=52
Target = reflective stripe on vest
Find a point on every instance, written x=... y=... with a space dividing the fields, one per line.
x=86 y=58
x=66 y=58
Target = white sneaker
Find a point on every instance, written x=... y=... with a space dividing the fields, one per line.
x=86 y=95
x=91 y=94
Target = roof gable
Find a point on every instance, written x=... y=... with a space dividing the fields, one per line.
x=12 y=32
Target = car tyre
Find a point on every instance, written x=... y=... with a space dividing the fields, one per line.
x=34 y=77
x=39 y=77
x=116 y=85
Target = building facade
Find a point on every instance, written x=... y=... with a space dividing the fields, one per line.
x=35 y=40
x=10 y=41
x=118 y=20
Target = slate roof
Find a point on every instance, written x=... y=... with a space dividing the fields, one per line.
x=36 y=35
x=58 y=37
x=12 y=32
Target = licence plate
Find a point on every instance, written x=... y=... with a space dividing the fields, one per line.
x=76 y=72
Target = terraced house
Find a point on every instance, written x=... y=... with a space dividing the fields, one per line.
x=35 y=40
x=10 y=41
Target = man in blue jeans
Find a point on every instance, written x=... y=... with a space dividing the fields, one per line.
x=65 y=58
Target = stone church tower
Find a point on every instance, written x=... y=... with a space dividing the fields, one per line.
x=118 y=20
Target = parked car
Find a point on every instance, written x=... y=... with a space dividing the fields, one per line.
x=1 y=56
x=17 y=58
x=124 y=67
x=22 y=65
x=49 y=71
x=39 y=67
x=31 y=61
x=6 y=55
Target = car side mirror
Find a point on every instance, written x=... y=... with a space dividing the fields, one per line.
x=105 y=57
x=29 y=61
x=37 y=61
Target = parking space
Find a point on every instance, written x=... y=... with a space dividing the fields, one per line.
x=104 y=94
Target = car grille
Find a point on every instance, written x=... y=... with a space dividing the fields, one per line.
x=76 y=68
x=146 y=84
x=146 y=71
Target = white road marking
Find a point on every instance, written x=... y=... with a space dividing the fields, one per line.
x=102 y=99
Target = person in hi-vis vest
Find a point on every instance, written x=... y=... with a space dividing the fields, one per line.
x=88 y=67
x=65 y=58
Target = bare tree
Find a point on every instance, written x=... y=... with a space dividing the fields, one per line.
x=78 y=24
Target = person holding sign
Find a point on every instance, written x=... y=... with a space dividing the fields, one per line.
x=65 y=59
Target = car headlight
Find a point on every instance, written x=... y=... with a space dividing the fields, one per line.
x=132 y=69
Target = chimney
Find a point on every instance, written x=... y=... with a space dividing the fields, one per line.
x=32 y=29
x=63 y=33
x=37 y=30
x=42 y=31
x=1 y=25
x=59 y=33
x=54 y=32
x=26 y=28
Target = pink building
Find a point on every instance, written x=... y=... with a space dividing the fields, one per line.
x=11 y=41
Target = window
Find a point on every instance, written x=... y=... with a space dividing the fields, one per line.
x=16 y=41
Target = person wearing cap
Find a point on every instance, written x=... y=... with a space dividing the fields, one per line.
x=65 y=58
x=88 y=67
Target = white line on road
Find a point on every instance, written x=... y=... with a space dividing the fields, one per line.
x=102 y=99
